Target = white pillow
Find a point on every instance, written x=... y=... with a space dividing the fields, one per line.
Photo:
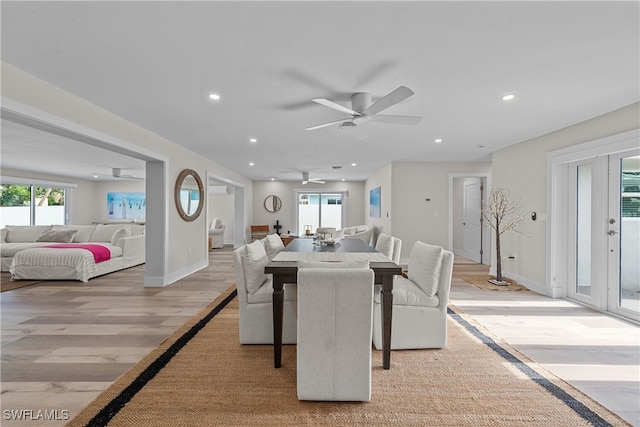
x=255 y=250
x=326 y=264
x=272 y=245
x=385 y=244
x=216 y=223
x=82 y=236
x=25 y=233
x=425 y=263
x=57 y=236
x=104 y=232
x=4 y=235
x=119 y=234
x=254 y=275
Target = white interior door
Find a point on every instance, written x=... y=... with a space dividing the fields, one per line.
x=472 y=219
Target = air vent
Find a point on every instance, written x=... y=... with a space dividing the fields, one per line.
x=336 y=167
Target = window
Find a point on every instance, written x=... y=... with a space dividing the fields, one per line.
x=319 y=210
x=630 y=192
x=32 y=204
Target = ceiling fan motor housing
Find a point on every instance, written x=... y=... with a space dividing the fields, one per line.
x=360 y=101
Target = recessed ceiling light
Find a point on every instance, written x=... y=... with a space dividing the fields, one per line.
x=508 y=97
x=273 y=179
x=353 y=164
x=480 y=145
x=343 y=179
x=253 y=140
x=214 y=96
x=251 y=164
x=438 y=141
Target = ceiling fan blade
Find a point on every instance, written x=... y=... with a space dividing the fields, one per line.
x=388 y=100
x=317 y=181
x=335 y=106
x=326 y=124
x=400 y=120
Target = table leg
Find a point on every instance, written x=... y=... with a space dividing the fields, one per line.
x=387 y=309
x=278 y=308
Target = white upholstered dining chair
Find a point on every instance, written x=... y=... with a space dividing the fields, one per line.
x=334 y=333
x=390 y=246
x=419 y=301
x=255 y=298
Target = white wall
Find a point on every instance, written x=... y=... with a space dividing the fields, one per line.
x=458 y=215
x=185 y=246
x=414 y=218
x=285 y=190
x=381 y=179
x=222 y=206
x=522 y=170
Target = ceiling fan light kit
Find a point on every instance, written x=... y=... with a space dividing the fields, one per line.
x=363 y=111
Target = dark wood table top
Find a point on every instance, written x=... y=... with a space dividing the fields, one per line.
x=345 y=245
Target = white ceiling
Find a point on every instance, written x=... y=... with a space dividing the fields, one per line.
x=154 y=63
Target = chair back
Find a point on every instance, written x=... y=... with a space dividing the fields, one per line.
x=335 y=308
x=384 y=244
x=238 y=268
x=397 y=250
x=259 y=231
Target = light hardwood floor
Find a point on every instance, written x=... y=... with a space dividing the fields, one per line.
x=63 y=343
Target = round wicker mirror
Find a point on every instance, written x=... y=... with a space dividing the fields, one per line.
x=189 y=194
x=272 y=203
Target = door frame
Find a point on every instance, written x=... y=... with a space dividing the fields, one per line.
x=486 y=180
x=558 y=203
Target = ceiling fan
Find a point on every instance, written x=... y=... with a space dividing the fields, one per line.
x=116 y=173
x=363 y=111
x=306 y=179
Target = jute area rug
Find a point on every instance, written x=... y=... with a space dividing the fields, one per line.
x=482 y=282
x=202 y=376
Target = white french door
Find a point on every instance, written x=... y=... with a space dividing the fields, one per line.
x=604 y=232
x=623 y=234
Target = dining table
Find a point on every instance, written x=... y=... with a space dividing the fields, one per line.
x=284 y=268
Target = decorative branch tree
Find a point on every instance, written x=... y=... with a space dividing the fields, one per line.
x=502 y=215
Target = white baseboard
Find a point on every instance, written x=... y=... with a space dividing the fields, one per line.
x=175 y=276
x=466 y=254
x=528 y=283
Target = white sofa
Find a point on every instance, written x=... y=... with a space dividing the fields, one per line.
x=23 y=255
x=362 y=232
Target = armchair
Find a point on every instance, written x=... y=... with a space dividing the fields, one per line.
x=216 y=234
x=419 y=301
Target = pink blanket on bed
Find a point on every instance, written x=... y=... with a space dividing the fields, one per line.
x=100 y=253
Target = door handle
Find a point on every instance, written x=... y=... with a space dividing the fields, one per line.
x=612 y=232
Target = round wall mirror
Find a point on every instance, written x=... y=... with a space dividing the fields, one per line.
x=272 y=203
x=189 y=194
